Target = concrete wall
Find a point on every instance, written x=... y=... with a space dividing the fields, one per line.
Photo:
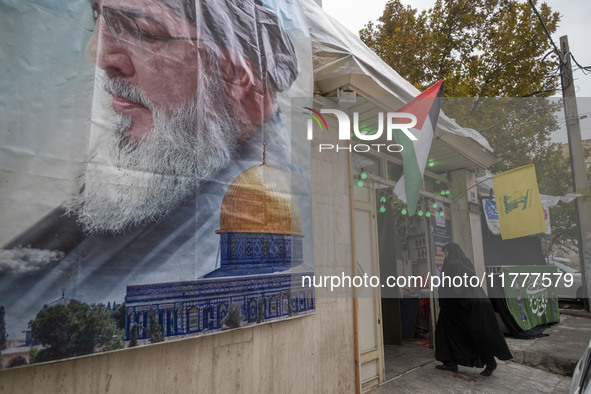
x=298 y=356
x=311 y=354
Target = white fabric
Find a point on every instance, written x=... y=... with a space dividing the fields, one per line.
x=338 y=52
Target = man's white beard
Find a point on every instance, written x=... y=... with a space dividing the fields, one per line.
x=127 y=184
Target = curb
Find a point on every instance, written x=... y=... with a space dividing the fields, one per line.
x=575 y=313
x=545 y=362
x=551 y=355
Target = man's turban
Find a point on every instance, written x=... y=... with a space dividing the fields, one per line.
x=250 y=29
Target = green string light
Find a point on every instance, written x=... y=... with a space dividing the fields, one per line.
x=435 y=205
x=447 y=192
x=360 y=183
x=428 y=215
x=404 y=212
x=420 y=213
x=442 y=193
x=382 y=209
x=442 y=214
x=363 y=175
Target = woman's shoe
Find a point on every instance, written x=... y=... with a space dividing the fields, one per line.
x=448 y=367
x=488 y=370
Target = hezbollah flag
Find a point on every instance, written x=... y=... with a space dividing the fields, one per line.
x=415 y=153
x=519 y=206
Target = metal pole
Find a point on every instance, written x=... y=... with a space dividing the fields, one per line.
x=577 y=161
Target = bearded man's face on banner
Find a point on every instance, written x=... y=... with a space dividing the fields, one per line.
x=173 y=123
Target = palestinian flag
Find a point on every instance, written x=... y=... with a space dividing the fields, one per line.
x=426 y=108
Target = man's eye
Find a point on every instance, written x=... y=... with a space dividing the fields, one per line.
x=151 y=30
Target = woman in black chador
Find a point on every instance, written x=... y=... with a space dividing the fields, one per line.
x=467 y=332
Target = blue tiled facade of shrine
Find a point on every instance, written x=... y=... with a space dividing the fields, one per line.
x=200 y=306
x=255 y=254
x=261 y=266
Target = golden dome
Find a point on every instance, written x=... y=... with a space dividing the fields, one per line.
x=259 y=201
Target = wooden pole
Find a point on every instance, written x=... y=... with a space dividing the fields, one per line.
x=354 y=272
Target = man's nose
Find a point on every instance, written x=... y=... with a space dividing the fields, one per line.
x=107 y=53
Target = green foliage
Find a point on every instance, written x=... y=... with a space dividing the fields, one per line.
x=234 y=317
x=482 y=48
x=133 y=335
x=118 y=315
x=155 y=331
x=519 y=130
x=73 y=330
x=33 y=355
x=2 y=329
x=398 y=38
x=485 y=49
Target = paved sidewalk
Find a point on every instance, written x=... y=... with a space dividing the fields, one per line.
x=509 y=377
x=541 y=365
x=558 y=352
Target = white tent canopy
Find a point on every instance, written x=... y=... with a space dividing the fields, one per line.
x=341 y=59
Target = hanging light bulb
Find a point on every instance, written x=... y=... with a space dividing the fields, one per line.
x=362 y=176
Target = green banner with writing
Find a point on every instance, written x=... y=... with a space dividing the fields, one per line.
x=530 y=294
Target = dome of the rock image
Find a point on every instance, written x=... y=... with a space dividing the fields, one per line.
x=260 y=225
x=259 y=200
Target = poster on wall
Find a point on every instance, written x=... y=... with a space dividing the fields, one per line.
x=492 y=217
x=440 y=223
x=150 y=187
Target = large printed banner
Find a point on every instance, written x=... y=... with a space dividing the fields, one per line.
x=531 y=295
x=150 y=188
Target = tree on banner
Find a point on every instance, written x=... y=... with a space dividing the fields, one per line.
x=426 y=108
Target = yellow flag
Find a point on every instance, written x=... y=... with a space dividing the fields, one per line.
x=518 y=202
